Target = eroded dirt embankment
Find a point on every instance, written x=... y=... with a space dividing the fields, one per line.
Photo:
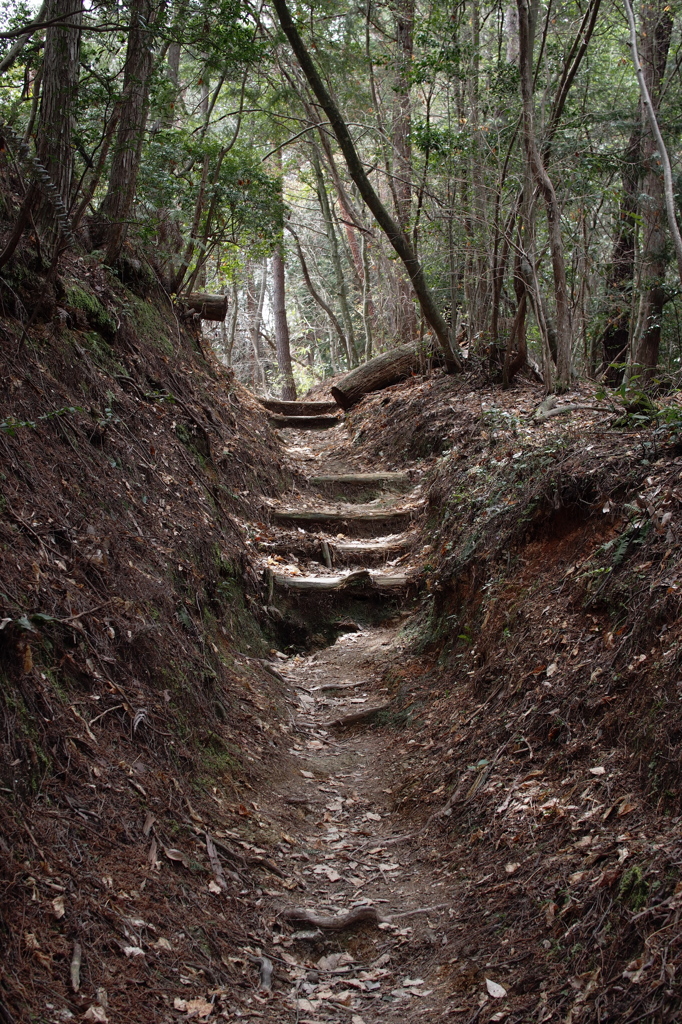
x=134 y=707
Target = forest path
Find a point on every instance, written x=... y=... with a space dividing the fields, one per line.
x=344 y=845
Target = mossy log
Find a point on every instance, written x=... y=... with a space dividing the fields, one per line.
x=208 y=307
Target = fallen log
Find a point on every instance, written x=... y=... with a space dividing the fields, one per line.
x=208 y=307
x=357 y=717
x=384 y=370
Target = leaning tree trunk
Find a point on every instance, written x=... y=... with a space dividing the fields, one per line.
x=393 y=232
x=118 y=202
x=282 y=327
x=656 y=29
x=58 y=102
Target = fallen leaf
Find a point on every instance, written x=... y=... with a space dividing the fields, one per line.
x=512 y=867
x=599 y=770
x=551 y=670
x=199 y=1007
x=133 y=951
x=407 y=982
x=163 y=944
x=96 y=1013
x=214 y=887
x=177 y=855
x=495 y=990
x=58 y=907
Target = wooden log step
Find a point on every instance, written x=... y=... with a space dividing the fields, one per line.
x=362 y=479
x=355 y=519
x=304 y=422
x=361 y=579
x=373 y=548
x=300 y=408
x=342 y=552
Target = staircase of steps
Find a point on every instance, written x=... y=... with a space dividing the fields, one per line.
x=348 y=539
x=302 y=415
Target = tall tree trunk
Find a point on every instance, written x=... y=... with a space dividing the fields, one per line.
x=118 y=202
x=546 y=188
x=57 y=106
x=341 y=291
x=282 y=327
x=656 y=28
x=367 y=309
x=393 y=232
x=403 y=13
x=619 y=280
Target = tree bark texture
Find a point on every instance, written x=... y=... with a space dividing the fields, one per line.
x=282 y=327
x=546 y=188
x=382 y=371
x=619 y=282
x=57 y=107
x=656 y=28
x=118 y=202
x=383 y=218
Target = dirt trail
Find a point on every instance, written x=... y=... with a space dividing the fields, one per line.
x=343 y=845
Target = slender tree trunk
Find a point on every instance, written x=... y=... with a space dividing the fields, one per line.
x=367 y=310
x=620 y=277
x=58 y=103
x=402 y=153
x=316 y=295
x=656 y=28
x=546 y=188
x=118 y=202
x=282 y=327
x=96 y=174
x=341 y=291
x=234 y=318
x=392 y=230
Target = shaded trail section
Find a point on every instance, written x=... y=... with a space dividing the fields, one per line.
x=362 y=932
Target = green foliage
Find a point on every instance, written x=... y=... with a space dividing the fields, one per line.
x=633 y=888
